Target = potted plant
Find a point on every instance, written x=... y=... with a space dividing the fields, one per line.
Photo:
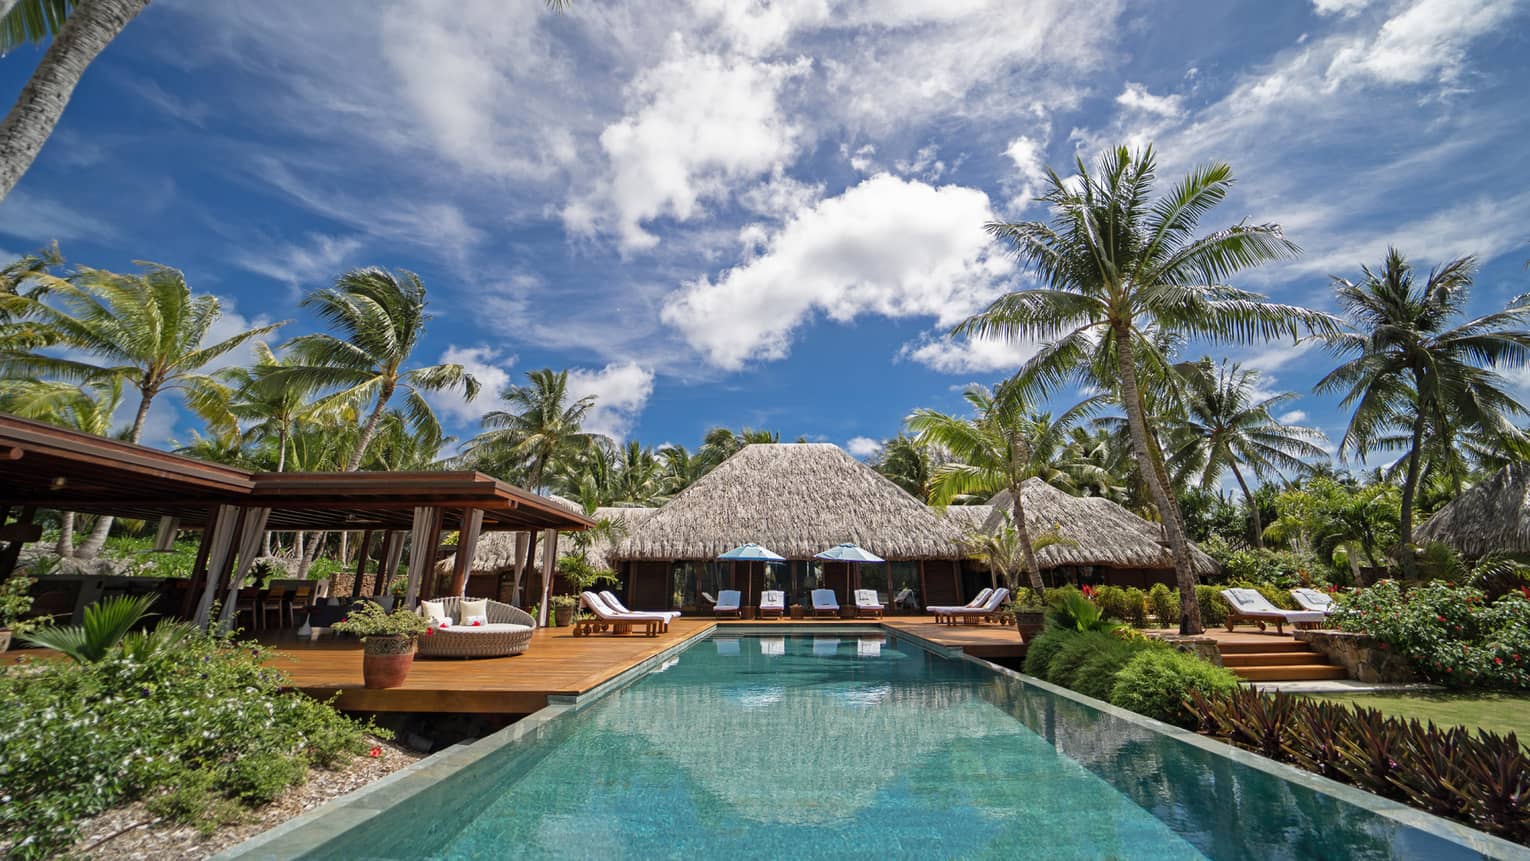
x=387 y=641
x=15 y=602
x=563 y=607
x=582 y=575
x=1029 y=620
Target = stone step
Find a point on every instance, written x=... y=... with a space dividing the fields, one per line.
x=1291 y=673
x=1267 y=659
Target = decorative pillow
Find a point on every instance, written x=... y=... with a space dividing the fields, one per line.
x=466 y=610
x=475 y=621
x=435 y=612
x=443 y=622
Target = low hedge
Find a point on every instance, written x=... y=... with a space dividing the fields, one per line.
x=1156 y=682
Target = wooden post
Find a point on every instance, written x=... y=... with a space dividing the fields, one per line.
x=392 y=552
x=252 y=529
x=549 y=561
x=421 y=553
x=199 y=565
x=956 y=578
x=362 y=556
x=12 y=551
x=224 y=528
x=164 y=539
x=467 y=550
x=519 y=567
x=924 y=592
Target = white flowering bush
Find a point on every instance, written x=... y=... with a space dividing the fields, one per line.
x=196 y=731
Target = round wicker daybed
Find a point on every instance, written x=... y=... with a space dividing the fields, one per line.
x=508 y=632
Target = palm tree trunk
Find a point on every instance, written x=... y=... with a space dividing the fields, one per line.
x=1409 y=491
x=85 y=34
x=368 y=430
x=96 y=540
x=535 y=478
x=1248 y=498
x=1023 y=532
x=1158 y=486
x=281 y=465
x=65 y=547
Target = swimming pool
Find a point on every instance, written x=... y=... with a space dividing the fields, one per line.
x=831 y=746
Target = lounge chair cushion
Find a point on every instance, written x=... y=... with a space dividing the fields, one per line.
x=435 y=612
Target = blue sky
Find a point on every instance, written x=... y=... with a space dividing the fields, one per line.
x=739 y=213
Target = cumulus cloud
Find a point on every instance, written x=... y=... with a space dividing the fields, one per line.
x=621 y=391
x=888 y=246
x=701 y=122
x=1426 y=41
x=1137 y=98
x=968 y=355
x=1029 y=155
x=1292 y=417
x=863 y=446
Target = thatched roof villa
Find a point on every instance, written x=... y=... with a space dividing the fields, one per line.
x=1493 y=516
x=1108 y=544
x=800 y=499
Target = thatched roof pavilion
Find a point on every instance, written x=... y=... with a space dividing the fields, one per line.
x=796 y=499
x=1105 y=534
x=1493 y=516
x=496 y=551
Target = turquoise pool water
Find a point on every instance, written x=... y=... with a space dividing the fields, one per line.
x=847 y=746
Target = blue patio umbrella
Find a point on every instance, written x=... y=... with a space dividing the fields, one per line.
x=751 y=552
x=851 y=553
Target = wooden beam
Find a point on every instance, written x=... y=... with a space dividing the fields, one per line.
x=392 y=553
x=549 y=563
x=362 y=557
x=164 y=539
x=467 y=550
x=10 y=452
x=22 y=532
x=12 y=550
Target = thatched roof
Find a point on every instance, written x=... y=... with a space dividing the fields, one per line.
x=496 y=550
x=968 y=518
x=1493 y=516
x=797 y=499
x=1105 y=533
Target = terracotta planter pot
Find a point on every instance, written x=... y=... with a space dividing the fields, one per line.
x=563 y=616
x=385 y=661
x=1030 y=623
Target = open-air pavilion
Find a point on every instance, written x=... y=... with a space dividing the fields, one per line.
x=45 y=467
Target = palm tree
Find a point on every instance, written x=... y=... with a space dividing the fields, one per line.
x=995 y=450
x=1120 y=272
x=910 y=464
x=542 y=426
x=81 y=30
x=1225 y=423
x=1414 y=366
x=380 y=318
x=88 y=409
x=719 y=444
x=681 y=468
x=146 y=330
x=265 y=412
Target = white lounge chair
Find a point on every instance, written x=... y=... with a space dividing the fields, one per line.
x=987 y=610
x=614 y=603
x=772 y=603
x=906 y=599
x=619 y=623
x=1314 y=600
x=773 y=647
x=944 y=612
x=824 y=602
x=868 y=647
x=825 y=647
x=866 y=604
x=728 y=603
x=1250 y=606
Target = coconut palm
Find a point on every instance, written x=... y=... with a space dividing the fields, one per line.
x=264 y=412
x=1414 y=365
x=378 y=318
x=87 y=409
x=146 y=330
x=910 y=464
x=992 y=451
x=1120 y=271
x=1226 y=424
x=81 y=30
x=719 y=444
x=681 y=468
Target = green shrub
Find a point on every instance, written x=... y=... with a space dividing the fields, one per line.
x=1040 y=650
x=1128 y=605
x=207 y=717
x=1073 y=654
x=1096 y=676
x=1165 y=604
x=1213 y=606
x=1451 y=634
x=1157 y=681
x=1282 y=569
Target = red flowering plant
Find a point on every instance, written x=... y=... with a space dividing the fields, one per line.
x=1452 y=634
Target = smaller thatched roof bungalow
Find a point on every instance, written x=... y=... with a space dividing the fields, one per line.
x=1108 y=544
x=1493 y=516
x=798 y=500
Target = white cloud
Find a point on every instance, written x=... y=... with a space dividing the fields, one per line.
x=781 y=196
x=1029 y=157
x=699 y=123
x=621 y=390
x=888 y=246
x=863 y=446
x=300 y=265
x=1342 y=8
x=1137 y=98
x=38 y=221
x=969 y=355
x=490 y=366
x=1292 y=417
x=1424 y=42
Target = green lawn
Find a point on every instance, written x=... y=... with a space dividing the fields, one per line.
x=1496 y=712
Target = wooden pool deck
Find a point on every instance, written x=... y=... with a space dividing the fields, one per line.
x=557 y=665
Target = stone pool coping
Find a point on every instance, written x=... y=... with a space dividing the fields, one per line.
x=313 y=829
